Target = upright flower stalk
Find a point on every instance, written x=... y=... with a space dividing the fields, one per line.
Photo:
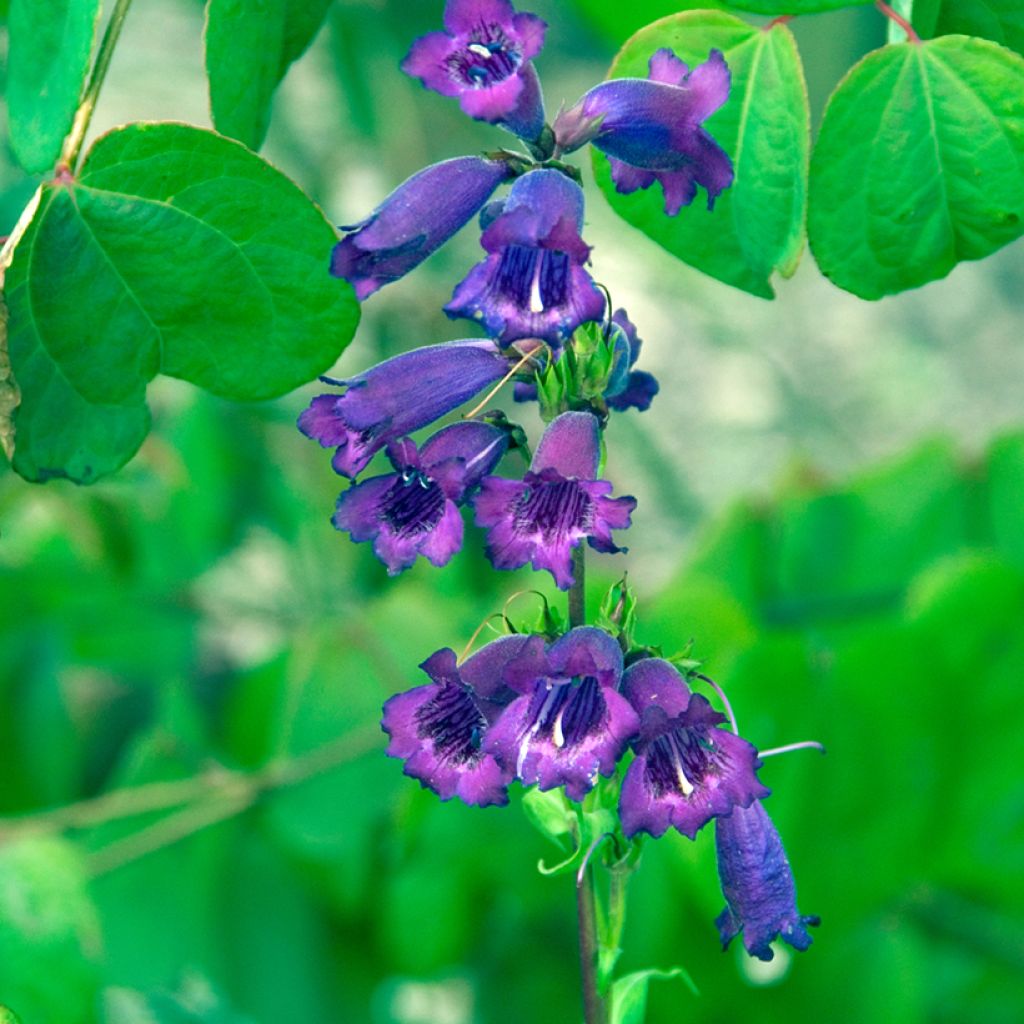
x=610 y=739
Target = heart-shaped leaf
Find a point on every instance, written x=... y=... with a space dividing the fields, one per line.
x=919 y=164
x=174 y=250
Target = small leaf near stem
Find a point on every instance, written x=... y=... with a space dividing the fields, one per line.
x=73 y=143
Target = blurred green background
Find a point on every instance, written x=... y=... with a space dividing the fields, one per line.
x=830 y=504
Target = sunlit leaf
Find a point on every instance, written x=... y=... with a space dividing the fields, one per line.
x=1002 y=21
x=249 y=47
x=757 y=226
x=175 y=250
x=629 y=994
x=50 y=45
x=919 y=164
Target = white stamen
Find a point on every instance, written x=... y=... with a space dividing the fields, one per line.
x=536 y=302
x=557 y=736
x=684 y=783
x=524 y=746
x=480 y=50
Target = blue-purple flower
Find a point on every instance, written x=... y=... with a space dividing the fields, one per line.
x=438 y=729
x=568 y=723
x=483 y=58
x=557 y=504
x=533 y=283
x=651 y=128
x=687 y=770
x=398 y=396
x=415 y=510
x=415 y=220
x=757 y=882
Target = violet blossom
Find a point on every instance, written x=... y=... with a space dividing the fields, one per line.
x=533 y=283
x=438 y=729
x=557 y=504
x=415 y=220
x=414 y=511
x=568 y=723
x=398 y=396
x=686 y=770
x=651 y=128
x=483 y=58
x=757 y=882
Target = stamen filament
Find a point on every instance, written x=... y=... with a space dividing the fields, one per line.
x=497 y=387
x=802 y=745
x=722 y=697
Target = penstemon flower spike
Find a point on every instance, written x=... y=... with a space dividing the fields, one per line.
x=606 y=735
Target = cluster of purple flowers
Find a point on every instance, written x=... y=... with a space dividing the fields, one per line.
x=555 y=713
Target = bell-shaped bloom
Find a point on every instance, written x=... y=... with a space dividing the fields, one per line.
x=687 y=770
x=415 y=220
x=651 y=128
x=757 y=882
x=532 y=283
x=557 y=504
x=483 y=58
x=415 y=510
x=398 y=396
x=568 y=724
x=438 y=729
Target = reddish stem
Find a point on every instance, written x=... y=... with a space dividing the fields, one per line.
x=780 y=20
x=912 y=36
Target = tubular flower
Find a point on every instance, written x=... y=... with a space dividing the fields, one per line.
x=483 y=58
x=568 y=723
x=686 y=770
x=532 y=283
x=414 y=511
x=438 y=728
x=557 y=504
x=651 y=128
x=415 y=220
x=757 y=882
x=398 y=396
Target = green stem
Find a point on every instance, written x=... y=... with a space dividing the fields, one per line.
x=586 y=912
x=80 y=125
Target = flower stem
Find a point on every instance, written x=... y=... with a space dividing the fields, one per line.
x=80 y=125
x=586 y=911
x=578 y=590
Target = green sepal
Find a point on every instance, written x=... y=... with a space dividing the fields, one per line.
x=628 y=1002
x=617 y=613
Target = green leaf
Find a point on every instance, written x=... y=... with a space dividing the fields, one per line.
x=249 y=46
x=919 y=165
x=619 y=21
x=550 y=813
x=628 y=1001
x=48 y=932
x=7 y=1016
x=175 y=250
x=757 y=225
x=794 y=6
x=8 y=389
x=50 y=45
x=1002 y=21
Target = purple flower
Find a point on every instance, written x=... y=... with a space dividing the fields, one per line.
x=557 y=504
x=569 y=724
x=415 y=220
x=686 y=770
x=651 y=128
x=398 y=396
x=532 y=283
x=483 y=57
x=438 y=729
x=757 y=883
x=414 y=511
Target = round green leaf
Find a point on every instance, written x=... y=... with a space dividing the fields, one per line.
x=1002 y=21
x=757 y=225
x=175 y=251
x=50 y=46
x=919 y=164
x=249 y=47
